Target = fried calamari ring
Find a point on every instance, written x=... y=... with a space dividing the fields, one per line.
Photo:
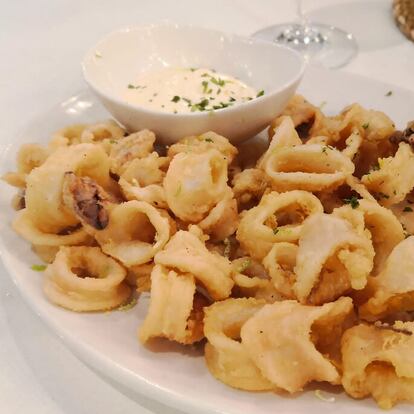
x=310 y=167
x=386 y=231
x=187 y=253
x=226 y=358
x=83 y=279
x=142 y=180
x=24 y=226
x=43 y=196
x=293 y=344
x=137 y=145
x=202 y=143
x=394 y=286
x=280 y=263
x=175 y=311
x=394 y=179
x=277 y=218
x=333 y=257
x=195 y=183
x=136 y=231
x=290 y=165
x=222 y=220
x=377 y=361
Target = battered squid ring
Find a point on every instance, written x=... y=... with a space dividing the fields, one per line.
x=136 y=231
x=377 y=361
x=393 y=288
x=176 y=310
x=70 y=135
x=102 y=133
x=222 y=220
x=44 y=202
x=386 y=230
x=202 y=143
x=257 y=238
x=395 y=178
x=195 y=183
x=137 y=145
x=226 y=358
x=280 y=263
x=24 y=226
x=142 y=180
x=293 y=344
x=68 y=282
x=187 y=253
x=333 y=257
x=310 y=167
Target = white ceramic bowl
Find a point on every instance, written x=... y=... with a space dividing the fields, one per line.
x=122 y=55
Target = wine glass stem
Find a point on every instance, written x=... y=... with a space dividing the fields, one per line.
x=303 y=21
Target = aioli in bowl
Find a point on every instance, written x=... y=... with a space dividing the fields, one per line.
x=180 y=90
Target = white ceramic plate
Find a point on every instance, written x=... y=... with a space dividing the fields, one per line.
x=108 y=342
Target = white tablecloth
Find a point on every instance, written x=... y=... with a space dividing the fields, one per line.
x=41 y=45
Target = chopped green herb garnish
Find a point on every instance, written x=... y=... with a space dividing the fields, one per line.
x=130 y=86
x=353 y=202
x=260 y=93
x=389 y=93
x=408 y=209
x=208 y=140
x=112 y=141
x=244 y=265
x=365 y=126
x=383 y=195
x=275 y=231
x=38 y=268
x=175 y=99
x=193 y=69
x=218 y=91
x=129 y=305
x=201 y=106
x=205 y=86
x=189 y=103
x=205 y=75
x=231 y=99
x=218 y=81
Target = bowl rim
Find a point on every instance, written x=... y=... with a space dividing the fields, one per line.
x=197 y=114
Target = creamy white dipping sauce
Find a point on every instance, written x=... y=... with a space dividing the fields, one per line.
x=187 y=90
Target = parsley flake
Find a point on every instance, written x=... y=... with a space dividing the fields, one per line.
x=205 y=86
x=38 y=268
x=366 y=125
x=260 y=93
x=408 y=209
x=389 y=93
x=208 y=140
x=352 y=201
x=175 y=98
x=217 y=81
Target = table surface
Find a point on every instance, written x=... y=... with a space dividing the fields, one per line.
x=41 y=45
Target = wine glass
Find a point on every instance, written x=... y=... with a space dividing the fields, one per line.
x=319 y=43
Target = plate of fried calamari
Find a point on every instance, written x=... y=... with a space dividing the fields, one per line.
x=276 y=275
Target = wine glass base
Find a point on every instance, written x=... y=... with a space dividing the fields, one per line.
x=319 y=43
